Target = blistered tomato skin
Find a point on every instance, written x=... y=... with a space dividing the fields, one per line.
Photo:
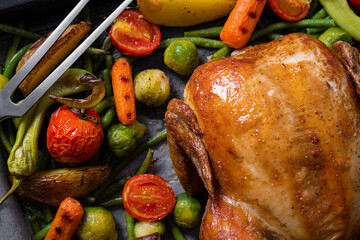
x=148 y=197
x=133 y=35
x=73 y=138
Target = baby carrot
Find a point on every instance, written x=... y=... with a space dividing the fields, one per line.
x=241 y=22
x=123 y=88
x=66 y=220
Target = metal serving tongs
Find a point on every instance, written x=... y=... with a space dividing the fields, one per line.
x=10 y=109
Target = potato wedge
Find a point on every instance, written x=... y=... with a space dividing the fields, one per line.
x=50 y=187
x=62 y=47
x=182 y=13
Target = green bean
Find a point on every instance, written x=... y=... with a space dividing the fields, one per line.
x=13 y=48
x=202 y=42
x=34 y=224
x=130 y=224
x=315 y=30
x=222 y=52
x=146 y=164
x=273 y=36
x=115 y=201
x=320 y=14
x=284 y=25
x=42 y=233
x=120 y=166
x=175 y=231
x=37 y=213
x=4 y=139
x=107 y=83
x=104 y=104
x=106 y=45
x=10 y=66
x=88 y=63
x=19 y=31
x=115 y=187
x=108 y=117
x=96 y=51
x=210 y=32
x=313 y=6
x=109 y=62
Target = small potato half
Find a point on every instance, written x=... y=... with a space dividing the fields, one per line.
x=182 y=13
x=58 y=52
x=50 y=187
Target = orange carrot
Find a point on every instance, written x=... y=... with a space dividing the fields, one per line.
x=241 y=22
x=123 y=88
x=66 y=220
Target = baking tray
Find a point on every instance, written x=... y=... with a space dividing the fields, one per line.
x=13 y=221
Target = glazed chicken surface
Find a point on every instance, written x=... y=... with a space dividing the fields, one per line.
x=273 y=135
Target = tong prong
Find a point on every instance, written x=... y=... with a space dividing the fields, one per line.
x=7 y=107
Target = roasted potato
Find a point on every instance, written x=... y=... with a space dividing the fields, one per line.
x=62 y=47
x=50 y=187
x=183 y=13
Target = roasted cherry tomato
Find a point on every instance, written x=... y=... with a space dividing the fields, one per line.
x=74 y=135
x=290 y=10
x=356 y=4
x=132 y=35
x=148 y=197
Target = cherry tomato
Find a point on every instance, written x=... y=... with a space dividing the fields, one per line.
x=148 y=197
x=133 y=35
x=74 y=135
x=356 y=4
x=290 y=10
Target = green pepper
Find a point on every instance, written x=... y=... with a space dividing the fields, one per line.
x=330 y=36
x=23 y=157
x=343 y=15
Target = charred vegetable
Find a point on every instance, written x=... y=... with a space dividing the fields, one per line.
x=50 y=187
x=63 y=46
x=123 y=139
x=152 y=87
x=97 y=224
x=23 y=157
x=187 y=211
x=74 y=135
x=144 y=228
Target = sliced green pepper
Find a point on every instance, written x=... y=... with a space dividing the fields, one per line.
x=334 y=34
x=343 y=15
x=23 y=157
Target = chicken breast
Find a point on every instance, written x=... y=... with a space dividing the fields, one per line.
x=273 y=135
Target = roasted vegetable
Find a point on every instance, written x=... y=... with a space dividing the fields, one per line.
x=63 y=46
x=3 y=81
x=344 y=16
x=123 y=140
x=144 y=228
x=97 y=224
x=74 y=135
x=187 y=211
x=181 y=56
x=331 y=35
x=50 y=187
x=152 y=87
x=67 y=219
x=154 y=236
x=23 y=157
x=184 y=12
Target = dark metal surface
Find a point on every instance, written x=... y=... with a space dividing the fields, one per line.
x=13 y=223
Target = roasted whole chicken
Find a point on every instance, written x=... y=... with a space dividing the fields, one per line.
x=273 y=133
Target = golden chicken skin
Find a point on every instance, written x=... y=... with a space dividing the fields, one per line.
x=273 y=133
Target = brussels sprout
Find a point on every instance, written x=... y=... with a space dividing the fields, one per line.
x=151 y=87
x=123 y=139
x=97 y=224
x=187 y=211
x=182 y=57
x=143 y=228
